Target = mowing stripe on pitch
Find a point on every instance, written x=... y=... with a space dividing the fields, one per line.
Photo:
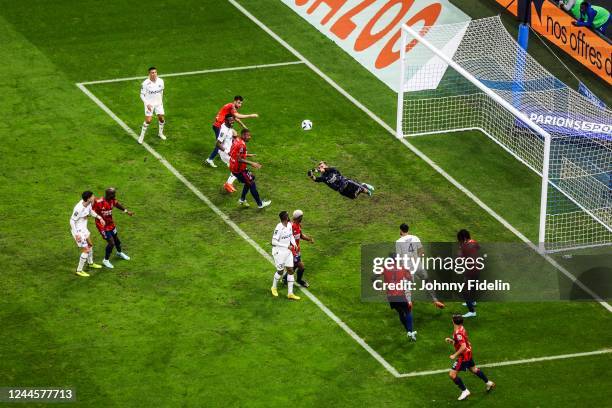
x=204 y=71
x=237 y=229
x=514 y=362
x=308 y=294
x=419 y=153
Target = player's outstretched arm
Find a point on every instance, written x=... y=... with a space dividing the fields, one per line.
x=239 y=116
x=250 y=163
x=245 y=116
x=122 y=208
x=240 y=122
x=307 y=238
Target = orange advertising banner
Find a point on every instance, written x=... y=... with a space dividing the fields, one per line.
x=581 y=43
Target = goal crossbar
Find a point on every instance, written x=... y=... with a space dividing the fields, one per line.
x=525 y=121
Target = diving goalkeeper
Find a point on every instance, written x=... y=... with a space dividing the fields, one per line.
x=336 y=181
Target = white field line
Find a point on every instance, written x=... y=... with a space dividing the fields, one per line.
x=417 y=152
x=374 y=117
x=205 y=71
x=514 y=362
x=238 y=230
x=308 y=294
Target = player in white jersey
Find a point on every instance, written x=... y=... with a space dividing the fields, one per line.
x=411 y=246
x=80 y=233
x=282 y=242
x=152 y=95
x=226 y=137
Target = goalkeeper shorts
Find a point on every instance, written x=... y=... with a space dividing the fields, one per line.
x=351 y=189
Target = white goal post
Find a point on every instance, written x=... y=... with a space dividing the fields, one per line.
x=474 y=76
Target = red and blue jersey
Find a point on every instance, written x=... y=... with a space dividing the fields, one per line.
x=297 y=234
x=225 y=109
x=395 y=276
x=104 y=208
x=238 y=152
x=460 y=337
x=469 y=249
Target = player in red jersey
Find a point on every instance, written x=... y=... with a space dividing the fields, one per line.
x=228 y=108
x=238 y=167
x=400 y=298
x=468 y=248
x=104 y=207
x=463 y=358
x=296 y=225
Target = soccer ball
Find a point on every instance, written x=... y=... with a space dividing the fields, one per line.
x=306 y=124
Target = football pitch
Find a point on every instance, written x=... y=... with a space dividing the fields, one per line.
x=189 y=320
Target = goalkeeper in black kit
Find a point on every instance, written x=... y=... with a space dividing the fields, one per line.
x=336 y=181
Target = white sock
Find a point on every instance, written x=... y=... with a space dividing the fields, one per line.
x=161 y=127
x=82 y=260
x=145 y=126
x=290 y=280
x=277 y=277
x=231 y=179
x=90 y=256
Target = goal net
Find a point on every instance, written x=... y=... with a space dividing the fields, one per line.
x=474 y=76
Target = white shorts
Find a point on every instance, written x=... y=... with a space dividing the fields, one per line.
x=283 y=258
x=83 y=235
x=224 y=157
x=157 y=110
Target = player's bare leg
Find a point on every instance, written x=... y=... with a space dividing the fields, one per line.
x=161 y=121
x=437 y=303
x=464 y=391
x=422 y=274
x=478 y=373
x=145 y=126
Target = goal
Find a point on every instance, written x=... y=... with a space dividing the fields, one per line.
x=474 y=76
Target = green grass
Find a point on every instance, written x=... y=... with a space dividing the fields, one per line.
x=189 y=321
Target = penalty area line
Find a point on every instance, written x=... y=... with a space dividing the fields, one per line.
x=204 y=71
x=514 y=362
x=237 y=229
x=392 y=370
